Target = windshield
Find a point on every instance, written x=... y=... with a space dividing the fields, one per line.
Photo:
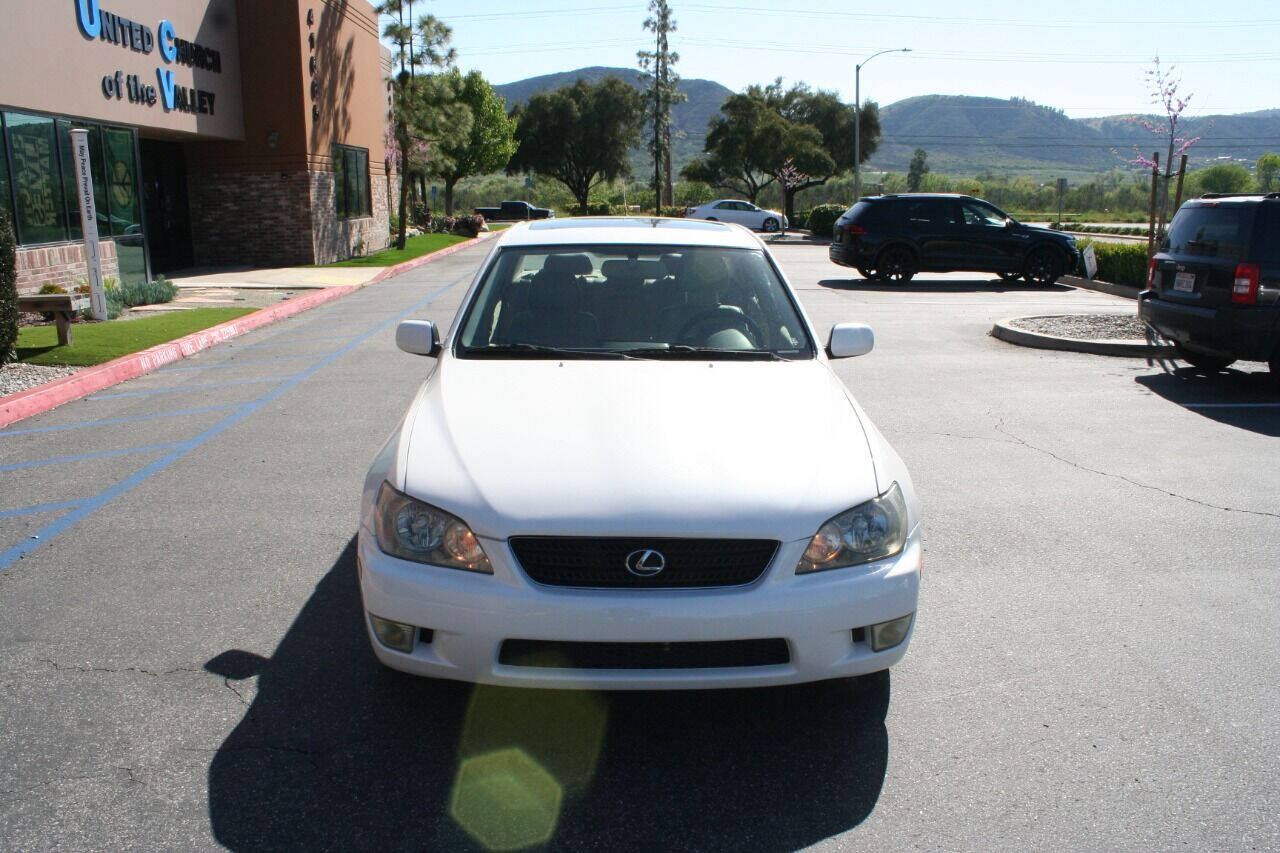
x=632 y=301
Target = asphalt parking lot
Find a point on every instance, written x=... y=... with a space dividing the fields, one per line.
x=1095 y=665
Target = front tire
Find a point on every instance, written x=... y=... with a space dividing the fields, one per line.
x=1043 y=267
x=896 y=265
x=865 y=273
x=1206 y=363
x=770 y=225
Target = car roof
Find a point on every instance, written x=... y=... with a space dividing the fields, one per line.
x=909 y=196
x=613 y=230
x=1216 y=199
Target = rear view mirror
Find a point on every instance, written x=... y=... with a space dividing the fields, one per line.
x=850 y=339
x=418 y=337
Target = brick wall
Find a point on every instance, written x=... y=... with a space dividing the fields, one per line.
x=263 y=219
x=62 y=264
x=336 y=239
x=250 y=218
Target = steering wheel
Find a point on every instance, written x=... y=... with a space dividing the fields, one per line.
x=727 y=316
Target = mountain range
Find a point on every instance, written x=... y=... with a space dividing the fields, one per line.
x=967 y=135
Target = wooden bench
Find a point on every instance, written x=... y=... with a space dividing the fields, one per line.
x=63 y=307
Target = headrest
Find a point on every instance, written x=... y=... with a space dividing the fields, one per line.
x=567 y=265
x=554 y=292
x=626 y=269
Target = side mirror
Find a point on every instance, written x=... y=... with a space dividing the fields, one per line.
x=418 y=337
x=850 y=339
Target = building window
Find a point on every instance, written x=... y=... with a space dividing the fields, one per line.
x=38 y=185
x=351 y=181
x=40 y=213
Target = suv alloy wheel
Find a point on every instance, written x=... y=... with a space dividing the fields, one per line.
x=1043 y=267
x=896 y=264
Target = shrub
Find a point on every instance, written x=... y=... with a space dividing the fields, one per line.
x=822 y=219
x=801 y=219
x=672 y=210
x=419 y=214
x=599 y=209
x=393 y=224
x=469 y=226
x=8 y=290
x=46 y=290
x=1121 y=263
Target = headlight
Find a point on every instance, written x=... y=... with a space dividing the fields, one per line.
x=871 y=531
x=413 y=530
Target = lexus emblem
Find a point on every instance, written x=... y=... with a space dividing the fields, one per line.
x=646 y=562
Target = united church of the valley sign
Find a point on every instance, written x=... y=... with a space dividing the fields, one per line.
x=99 y=24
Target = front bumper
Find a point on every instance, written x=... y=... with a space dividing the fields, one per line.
x=1251 y=333
x=471 y=615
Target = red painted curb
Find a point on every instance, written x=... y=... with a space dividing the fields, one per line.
x=388 y=272
x=50 y=395
x=44 y=397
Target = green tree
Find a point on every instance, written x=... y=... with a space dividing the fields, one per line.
x=486 y=148
x=661 y=92
x=578 y=134
x=1268 y=170
x=1224 y=178
x=8 y=290
x=917 y=170
x=415 y=104
x=797 y=138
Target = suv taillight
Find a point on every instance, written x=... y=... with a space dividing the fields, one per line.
x=855 y=230
x=1245 y=289
x=1151 y=273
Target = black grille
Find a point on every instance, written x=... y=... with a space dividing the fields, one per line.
x=709 y=655
x=602 y=562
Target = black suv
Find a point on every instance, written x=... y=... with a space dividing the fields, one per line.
x=1214 y=285
x=893 y=237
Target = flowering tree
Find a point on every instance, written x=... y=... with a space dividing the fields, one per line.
x=1164 y=83
x=791 y=178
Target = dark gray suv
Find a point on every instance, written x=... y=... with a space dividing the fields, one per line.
x=892 y=237
x=1214 y=285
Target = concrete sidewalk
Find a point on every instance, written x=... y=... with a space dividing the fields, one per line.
x=273 y=278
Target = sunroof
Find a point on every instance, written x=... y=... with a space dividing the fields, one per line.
x=623 y=222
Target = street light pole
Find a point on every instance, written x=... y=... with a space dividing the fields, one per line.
x=857 y=119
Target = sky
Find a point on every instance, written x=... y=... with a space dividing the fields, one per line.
x=1086 y=58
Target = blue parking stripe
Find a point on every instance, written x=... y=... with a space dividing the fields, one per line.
x=233 y=363
x=82 y=457
x=180 y=389
x=91 y=505
x=38 y=508
x=132 y=419
x=294 y=339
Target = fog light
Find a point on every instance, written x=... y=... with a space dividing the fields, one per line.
x=886 y=635
x=393 y=635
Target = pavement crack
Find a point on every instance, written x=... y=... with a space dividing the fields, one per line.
x=71 y=667
x=227 y=683
x=1139 y=484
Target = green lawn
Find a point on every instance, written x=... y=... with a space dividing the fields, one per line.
x=414 y=247
x=94 y=343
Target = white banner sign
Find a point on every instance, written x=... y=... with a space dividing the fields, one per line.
x=1090 y=262
x=89 y=221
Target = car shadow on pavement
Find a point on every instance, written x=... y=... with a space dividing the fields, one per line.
x=1248 y=400
x=948 y=285
x=338 y=752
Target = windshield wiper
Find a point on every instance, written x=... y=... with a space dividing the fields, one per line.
x=683 y=351
x=524 y=350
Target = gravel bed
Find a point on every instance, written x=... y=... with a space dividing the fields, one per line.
x=20 y=377
x=1089 y=327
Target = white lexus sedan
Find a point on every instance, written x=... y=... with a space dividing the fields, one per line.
x=739 y=213
x=632 y=466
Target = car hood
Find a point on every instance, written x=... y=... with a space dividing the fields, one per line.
x=1041 y=231
x=677 y=448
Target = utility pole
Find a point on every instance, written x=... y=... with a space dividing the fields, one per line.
x=857 y=119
